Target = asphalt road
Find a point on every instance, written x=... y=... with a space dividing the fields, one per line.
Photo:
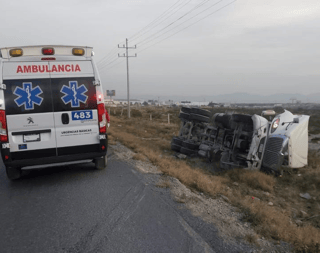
x=78 y=209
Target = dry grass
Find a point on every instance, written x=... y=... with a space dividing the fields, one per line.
x=139 y=156
x=251 y=238
x=253 y=179
x=151 y=140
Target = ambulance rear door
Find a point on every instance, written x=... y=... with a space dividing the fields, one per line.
x=29 y=110
x=75 y=107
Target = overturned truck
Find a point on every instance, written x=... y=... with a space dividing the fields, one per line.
x=244 y=141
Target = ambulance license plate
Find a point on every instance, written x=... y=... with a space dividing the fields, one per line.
x=31 y=137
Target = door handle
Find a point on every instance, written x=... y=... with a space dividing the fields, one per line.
x=65 y=118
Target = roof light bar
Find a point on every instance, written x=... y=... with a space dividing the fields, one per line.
x=48 y=51
x=78 y=51
x=16 y=52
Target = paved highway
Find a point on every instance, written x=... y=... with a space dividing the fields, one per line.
x=78 y=209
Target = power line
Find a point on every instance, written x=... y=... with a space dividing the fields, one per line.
x=165 y=19
x=189 y=25
x=112 y=59
x=110 y=52
x=107 y=59
x=181 y=17
x=112 y=65
x=107 y=55
x=155 y=20
x=180 y=23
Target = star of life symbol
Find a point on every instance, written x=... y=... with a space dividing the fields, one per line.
x=28 y=96
x=74 y=94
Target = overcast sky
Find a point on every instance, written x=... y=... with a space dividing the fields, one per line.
x=252 y=46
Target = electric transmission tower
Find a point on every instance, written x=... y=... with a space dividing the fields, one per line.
x=127 y=56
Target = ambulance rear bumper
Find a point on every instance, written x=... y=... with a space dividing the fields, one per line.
x=55 y=159
x=72 y=155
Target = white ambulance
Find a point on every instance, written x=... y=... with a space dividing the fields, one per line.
x=51 y=107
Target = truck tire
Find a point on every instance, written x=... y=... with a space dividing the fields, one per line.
x=13 y=173
x=187 y=151
x=190 y=145
x=222 y=120
x=242 y=118
x=177 y=140
x=204 y=147
x=175 y=147
x=202 y=153
x=199 y=118
x=186 y=110
x=184 y=116
x=101 y=162
x=201 y=112
x=223 y=160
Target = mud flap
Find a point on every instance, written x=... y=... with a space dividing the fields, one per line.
x=101 y=162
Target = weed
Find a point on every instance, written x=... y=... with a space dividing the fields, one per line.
x=136 y=113
x=251 y=238
x=139 y=156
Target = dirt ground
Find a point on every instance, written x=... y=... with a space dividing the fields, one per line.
x=218 y=211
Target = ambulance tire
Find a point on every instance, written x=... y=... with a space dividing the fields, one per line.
x=13 y=173
x=101 y=162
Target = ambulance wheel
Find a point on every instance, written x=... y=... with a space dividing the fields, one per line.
x=13 y=173
x=101 y=162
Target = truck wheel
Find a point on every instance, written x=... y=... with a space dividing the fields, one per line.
x=190 y=145
x=187 y=151
x=177 y=140
x=201 y=112
x=202 y=153
x=186 y=109
x=223 y=160
x=198 y=117
x=244 y=118
x=13 y=173
x=205 y=147
x=222 y=120
x=184 y=116
x=175 y=147
x=101 y=162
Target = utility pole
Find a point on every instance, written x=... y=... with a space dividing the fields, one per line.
x=127 y=56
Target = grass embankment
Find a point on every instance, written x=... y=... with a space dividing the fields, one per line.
x=272 y=205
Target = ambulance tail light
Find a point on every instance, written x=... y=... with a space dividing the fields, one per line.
x=3 y=127
x=48 y=51
x=102 y=118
